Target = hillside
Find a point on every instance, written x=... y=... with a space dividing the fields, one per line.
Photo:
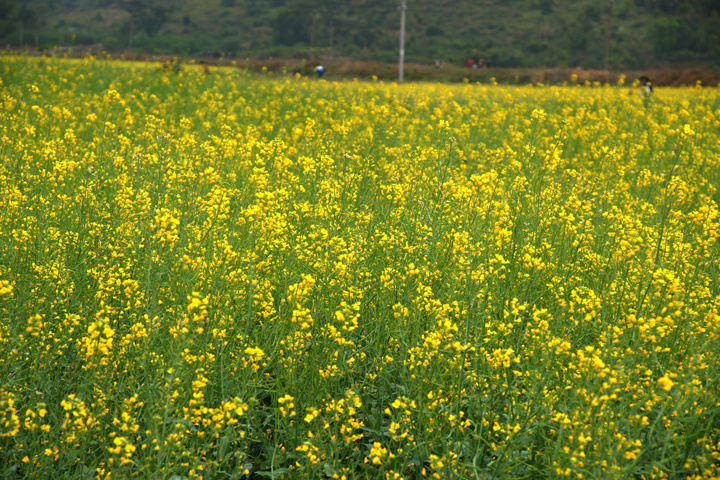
x=585 y=33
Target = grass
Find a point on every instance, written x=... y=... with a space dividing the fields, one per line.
x=243 y=276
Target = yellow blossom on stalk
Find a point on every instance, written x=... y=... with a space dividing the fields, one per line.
x=310 y=450
x=311 y=415
x=113 y=95
x=99 y=340
x=9 y=419
x=124 y=449
x=287 y=405
x=538 y=114
x=6 y=288
x=665 y=383
x=378 y=454
x=166 y=227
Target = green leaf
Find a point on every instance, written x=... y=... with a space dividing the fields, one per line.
x=329 y=470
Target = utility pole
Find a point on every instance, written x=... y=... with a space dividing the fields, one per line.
x=608 y=32
x=403 y=7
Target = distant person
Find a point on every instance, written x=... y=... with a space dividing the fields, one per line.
x=470 y=62
x=172 y=65
x=646 y=86
x=320 y=71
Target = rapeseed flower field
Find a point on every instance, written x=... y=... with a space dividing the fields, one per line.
x=245 y=276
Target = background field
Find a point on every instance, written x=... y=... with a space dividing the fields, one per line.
x=238 y=276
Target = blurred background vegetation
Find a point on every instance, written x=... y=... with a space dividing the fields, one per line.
x=591 y=34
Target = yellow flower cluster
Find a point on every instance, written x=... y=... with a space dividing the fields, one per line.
x=244 y=276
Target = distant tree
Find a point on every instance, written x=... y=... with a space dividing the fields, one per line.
x=147 y=15
x=668 y=6
x=578 y=42
x=666 y=34
x=593 y=13
x=434 y=31
x=547 y=32
x=545 y=6
x=712 y=36
x=665 y=6
x=25 y=18
x=252 y=7
x=290 y=26
x=7 y=13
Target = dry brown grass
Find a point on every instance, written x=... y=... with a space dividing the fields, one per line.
x=345 y=68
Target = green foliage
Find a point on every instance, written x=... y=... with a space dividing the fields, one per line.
x=635 y=33
x=16 y=18
x=148 y=15
x=290 y=27
x=545 y=6
x=666 y=34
